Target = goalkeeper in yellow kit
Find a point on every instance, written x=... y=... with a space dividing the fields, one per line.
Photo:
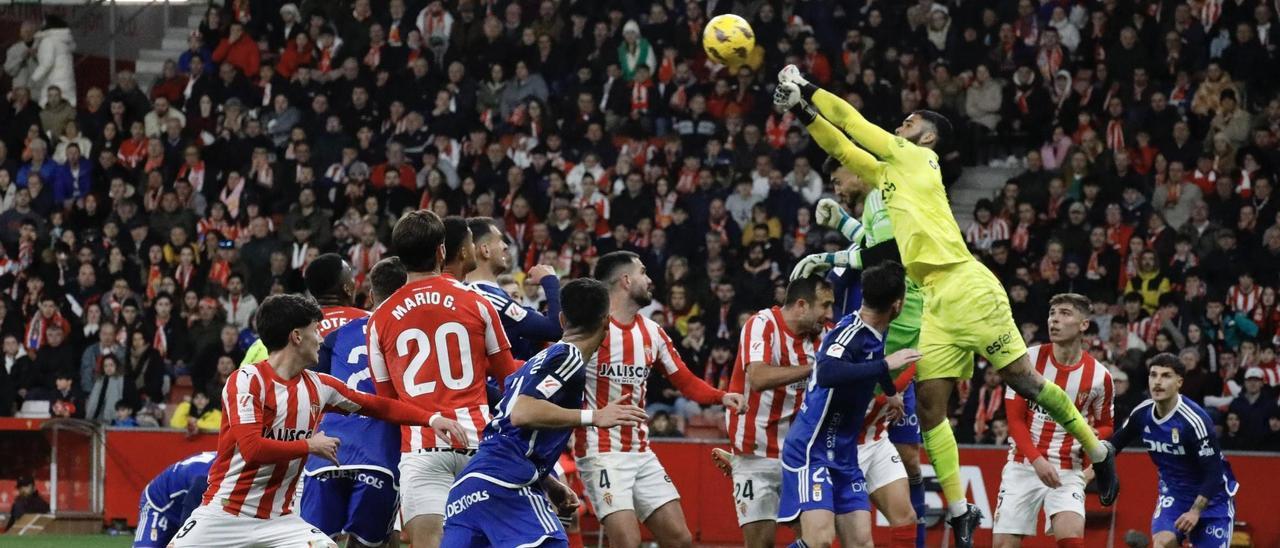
x=966 y=308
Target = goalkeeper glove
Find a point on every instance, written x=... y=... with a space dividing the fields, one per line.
x=818 y=263
x=831 y=215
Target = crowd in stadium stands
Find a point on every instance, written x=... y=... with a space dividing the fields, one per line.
x=141 y=227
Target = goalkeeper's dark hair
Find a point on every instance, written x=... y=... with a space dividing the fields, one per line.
x=805 y=288
x=941 y=125
x=883 y=284
x=1166 y=359
x=585 y=304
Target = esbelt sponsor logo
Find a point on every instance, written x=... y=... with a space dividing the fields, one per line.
x=465 y=501
x=1156 y=446
x=626 y=374
x=285 y=434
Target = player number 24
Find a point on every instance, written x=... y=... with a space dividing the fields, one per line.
x=744 y=490
x=423 y=343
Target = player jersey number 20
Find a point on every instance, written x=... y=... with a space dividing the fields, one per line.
x=421 y=344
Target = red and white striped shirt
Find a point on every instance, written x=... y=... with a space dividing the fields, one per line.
x=763 y=428
x=432 y=343
x=287 y=410
x=1244 y=300
x=983 y=236
x=1087 y=383
x=620 y=368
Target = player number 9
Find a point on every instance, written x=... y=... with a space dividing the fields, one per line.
x=418 y=337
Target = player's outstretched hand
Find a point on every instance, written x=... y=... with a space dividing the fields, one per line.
x=564 y=499
x=735 y=402
x=324 y=446
x=828 y=213
x=1187 y=521
x=618 y=413
x=790 y=74
x=537 y=273
x=785 y=96
x=449 y=428
x=1047 y=473
x=902 y=358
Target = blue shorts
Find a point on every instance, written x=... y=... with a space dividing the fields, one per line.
x=1210 y=532
x=156 y=527
x=357 y=501
x=906 y=430
x=481 y=513
x=819 y=486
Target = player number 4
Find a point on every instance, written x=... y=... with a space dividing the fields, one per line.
x=423 y=344
x=604 y=479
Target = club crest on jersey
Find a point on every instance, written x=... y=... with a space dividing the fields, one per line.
x=817 y=492
x=635 y=375
x=608 y=498
x=1174 y=437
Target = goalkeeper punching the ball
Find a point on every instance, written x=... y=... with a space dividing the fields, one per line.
x=966 y=309
x=871 y=244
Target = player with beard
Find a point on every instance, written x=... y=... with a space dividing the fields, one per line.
x=968 y=311
x=526 y=327
x=624 y=480
x=459 y=248
x=775 y=355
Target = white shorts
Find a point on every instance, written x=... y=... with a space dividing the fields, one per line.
x=1022 y=494
x=211 y=527
x=425 y=479
x=626 y=481
x=880 y=463
x=757 y=484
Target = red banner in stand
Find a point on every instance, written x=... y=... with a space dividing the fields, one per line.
x=134 y=457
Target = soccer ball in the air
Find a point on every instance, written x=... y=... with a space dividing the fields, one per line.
x=728 y=39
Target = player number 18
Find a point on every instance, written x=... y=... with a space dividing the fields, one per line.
x=423 y=343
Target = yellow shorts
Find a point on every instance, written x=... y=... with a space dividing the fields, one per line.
x=966 y=311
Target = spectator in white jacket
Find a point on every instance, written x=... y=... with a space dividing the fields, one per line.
x=239 y=305
x=54 y=65
x=1068 y=34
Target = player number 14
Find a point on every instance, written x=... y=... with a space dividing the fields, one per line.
x=423 y=351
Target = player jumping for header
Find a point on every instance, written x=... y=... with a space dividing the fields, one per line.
x=1197 y=488
x=967 y=310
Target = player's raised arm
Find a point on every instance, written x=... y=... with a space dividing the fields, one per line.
x=874 y=138
x=835 y=143
x=1132 y=428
